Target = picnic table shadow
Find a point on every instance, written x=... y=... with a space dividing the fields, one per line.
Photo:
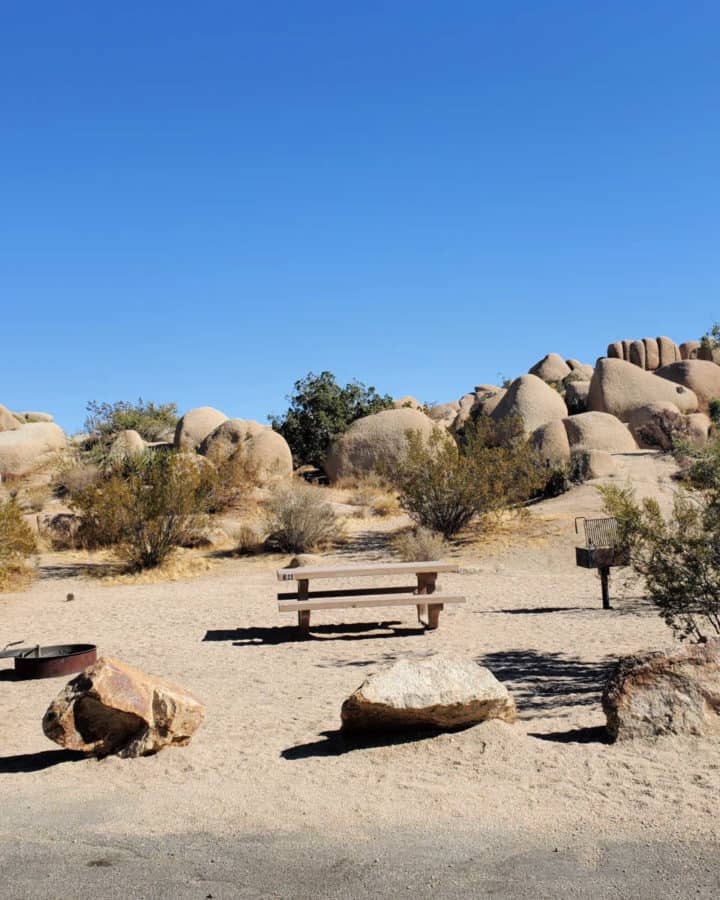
x=257 y=635
x=36 y=762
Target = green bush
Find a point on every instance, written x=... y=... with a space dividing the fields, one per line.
x=714 y=410
x=320 y=410
x=678 y=557
x=17 y=542
x=444 y=485
x=300 y=520
x=145 y=507
x=152 y=421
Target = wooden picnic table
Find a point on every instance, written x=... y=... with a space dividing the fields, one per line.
x=303 y=600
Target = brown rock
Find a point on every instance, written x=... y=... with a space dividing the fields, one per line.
x=551 y=442
x=652 y=354
x=626 y=350
x=444 y=413
x=196 y=425
x=589 y=464
x=619 y=388
x=637 y=354
x=551 y=368
x=30 y=447
x=437 y=692
x=700 y=376
x=112 y=708
x=668 y=349
x=615 y=350
x=673 y=692
x=689 y=349
x=576 y=396
x=599 y=431
x=533 y=401
x=8 y=422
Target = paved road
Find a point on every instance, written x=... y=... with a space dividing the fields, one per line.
x=260 y=866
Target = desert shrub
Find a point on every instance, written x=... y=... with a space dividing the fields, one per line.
x=300 y=520
x=152 y=421
x=229 y=483
x=444 y=485
x=384 y=505
x=145 y=507
x=678 y=557
x=418 y=544
x=711 y=339
x=74 y=477
x=247 y=541
x=34 y=497
x=17 y=542
x=320 y=410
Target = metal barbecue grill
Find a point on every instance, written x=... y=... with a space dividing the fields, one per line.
x=602 y=550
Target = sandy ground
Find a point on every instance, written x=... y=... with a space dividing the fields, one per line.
x=269 y=758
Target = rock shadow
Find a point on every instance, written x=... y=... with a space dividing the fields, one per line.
x=541 y=682
x=597 y=734
x=338 y=742
x=36 y=762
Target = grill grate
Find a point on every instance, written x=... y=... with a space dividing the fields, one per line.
x=599 y=532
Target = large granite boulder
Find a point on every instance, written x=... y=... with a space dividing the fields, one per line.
x=673 y=692
x=112 y=708
x=619 y=387
x=551 y=368
x=652 y=354
x=8 y=422
x=380 y=438
x=551 y=443
x=576 y=396
x=437 y=692
x=125 y=444
x=406 y=402
x=444 y=413
x=689 y=349
x=533 y=401
x=599 y=431
x=30 y=447
x=700 y=376
x=263 y=446
x=36 y=416
x=196 y=425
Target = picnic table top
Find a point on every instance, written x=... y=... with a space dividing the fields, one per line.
x=349 y=571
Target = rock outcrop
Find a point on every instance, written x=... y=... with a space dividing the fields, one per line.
x=196 y=425
x=599 y=431
x=29 y=447
x=375 y=439
x=444 y=413
x=112 y=708
x=533 y=401
x=674 y=692
x=265 y=447
x=700 y=376
x=8 y=422
x=126 y=443
x=438 y=692
x=551 y=368
x=619 y=388
x=648 y=353
x=576 y=396
x=551 y=443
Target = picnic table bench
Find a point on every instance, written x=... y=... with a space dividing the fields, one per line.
x=303 y=600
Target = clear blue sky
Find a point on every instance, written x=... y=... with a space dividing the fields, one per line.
x=200 y=202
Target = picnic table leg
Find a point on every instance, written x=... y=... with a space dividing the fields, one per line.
x=434 y=611
x=303 y=589
x=427 y=582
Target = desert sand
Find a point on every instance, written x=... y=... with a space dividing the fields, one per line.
x=269 y=758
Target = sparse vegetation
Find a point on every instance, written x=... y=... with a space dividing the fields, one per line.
x=17 y=543
x=678 y=557
x=152 y=421
x=230 y=482
x=444 y=485
x=418 y=544
x=145 y=507
x=320 y=410
x=300 y=520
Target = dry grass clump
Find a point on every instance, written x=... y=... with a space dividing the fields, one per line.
x=34 y=497
x=247 y=541
x=300 y=520
x=75 y=477
x=418 y=544
x=230 y=482
x=385 y=505
x=17 y=542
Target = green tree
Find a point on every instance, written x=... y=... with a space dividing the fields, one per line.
x=320 y=410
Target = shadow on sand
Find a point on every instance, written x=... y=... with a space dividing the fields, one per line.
x=337 y=743
x=36 y=762
x=597 y=734
x=542 y=682
x=288 y=634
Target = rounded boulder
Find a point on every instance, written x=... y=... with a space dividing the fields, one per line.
x=29 y=447
x=533 y=401
x=700 y=376
x=551 y=368
x=196 y=425
x=373 y=440
x=598 y=431
x=618 y=388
